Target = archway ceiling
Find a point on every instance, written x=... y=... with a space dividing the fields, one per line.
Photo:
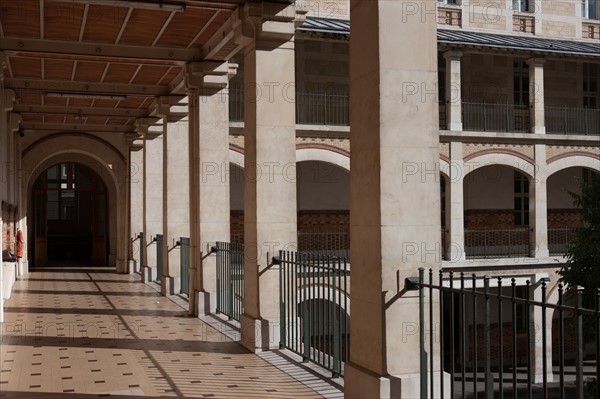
x=97 y=65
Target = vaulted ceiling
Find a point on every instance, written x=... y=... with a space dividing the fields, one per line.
x=97 y=65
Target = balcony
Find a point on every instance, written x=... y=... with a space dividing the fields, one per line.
x=488 y=117
x=591 y=30
x=326 y=109
x=449 y=15
x=563 y=120
x=560 y=239
x=524 y=23
x=506 y=243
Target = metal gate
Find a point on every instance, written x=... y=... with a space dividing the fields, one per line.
x=314 y=299
x=489 y=333
x=142 y=249
x=159 y=257
x=230 y=279
x=184 y=263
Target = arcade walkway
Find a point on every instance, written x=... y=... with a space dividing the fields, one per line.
x=74 y=334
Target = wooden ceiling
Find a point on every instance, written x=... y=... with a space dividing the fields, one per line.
x=97 y=65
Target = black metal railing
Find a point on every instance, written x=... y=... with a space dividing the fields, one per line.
x=230 y=279
x=328 y=243
x=443 y=115
x=184 y=265
x=560 y=239
x=142 y=249
x=487 y=117
x=159 y=257
x=316 y=108
x=504 y=243
x=314 y=308
x=564 y=120
x=498 y=342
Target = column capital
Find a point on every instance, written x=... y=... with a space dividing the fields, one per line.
x=3 y=61
x=166 y=106
x=536 y=61
x=8 y=98
x=144 y=127
x=211 y=76
x=268 y=21
x=15 y=121
x=454 y=55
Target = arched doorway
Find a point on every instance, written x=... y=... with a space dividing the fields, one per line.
x=70 y=217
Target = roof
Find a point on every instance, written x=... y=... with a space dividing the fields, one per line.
x=470 y=38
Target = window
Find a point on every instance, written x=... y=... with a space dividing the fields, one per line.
x=521 y=211
x=521 y=310
x=448 y=1
x=521 y=83
x=521 y=5
x=591 y=77
x=589 y=9
x=62 y=197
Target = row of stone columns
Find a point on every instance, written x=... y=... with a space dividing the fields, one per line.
x=394 y=219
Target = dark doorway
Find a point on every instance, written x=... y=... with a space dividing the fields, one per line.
x=70 y=217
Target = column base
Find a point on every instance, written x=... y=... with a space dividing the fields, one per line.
x=539 y=129
x=131 y=266
x=122 y=266
x=259 y=335
x=361 y=383
x=204 y=304
x=146 y=274
x=169 y=285
x=539 y=378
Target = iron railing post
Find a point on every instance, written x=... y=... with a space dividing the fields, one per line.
x=579 y=359
x=561 y=341
x=423 y=356
x=489 y=379
x=530 y=342
x=431 y=355
x=500 y=342
x=544 y=343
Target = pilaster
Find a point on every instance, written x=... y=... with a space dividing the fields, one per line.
x=456 y=213
x=536 y=95
x=538 y=207
x=453 y=90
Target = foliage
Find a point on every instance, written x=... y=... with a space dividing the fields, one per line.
x=583 y=256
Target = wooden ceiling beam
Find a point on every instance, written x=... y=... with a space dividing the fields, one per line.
x=72 y=127
x=124 y=25
x=85 y=111
x=83 y=21
x=69 y=48
x=61 y=86
x=164 y=27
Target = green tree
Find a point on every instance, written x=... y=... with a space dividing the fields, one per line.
x=583 y=256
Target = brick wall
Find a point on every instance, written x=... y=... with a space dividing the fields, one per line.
x=564 y=218
x=489 y=219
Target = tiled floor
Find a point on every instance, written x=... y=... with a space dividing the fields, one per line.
x=95 y=334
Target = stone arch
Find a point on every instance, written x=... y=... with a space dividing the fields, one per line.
x=105 y=160
x=304 y=154
x=572 y=161
x=511 y=160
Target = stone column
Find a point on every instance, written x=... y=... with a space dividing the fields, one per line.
x=536 y=95
x=538 y=207
x=453 y=90
x=456 y=213
x=394 y=211
x=4 y=104
x=153 y=149
x=136 y=202
x=537 y=326
x=176 y=207
x=269 y=164
x=209 y=177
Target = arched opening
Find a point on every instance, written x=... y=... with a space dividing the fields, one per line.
x=323 y=203
x=70 y=218
x=496 y=212
x=563 y=216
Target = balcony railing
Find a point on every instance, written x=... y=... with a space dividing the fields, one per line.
x=563 y=120
x=560 y=239
x=330 y=109
x=507 y=243
x=443 y=116
x=487 y=117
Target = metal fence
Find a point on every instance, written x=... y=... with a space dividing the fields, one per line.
x=311 y=108
x=506 y=243
x=230 y=279
x=184 y=265
x=322 y=109
x=159 y=257
x=328 y=243
x=485 y=117
x=314 y=300
x=560 y=239
x=485 y=353
x=563 y=120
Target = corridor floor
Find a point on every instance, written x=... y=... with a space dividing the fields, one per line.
x=88 y=334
